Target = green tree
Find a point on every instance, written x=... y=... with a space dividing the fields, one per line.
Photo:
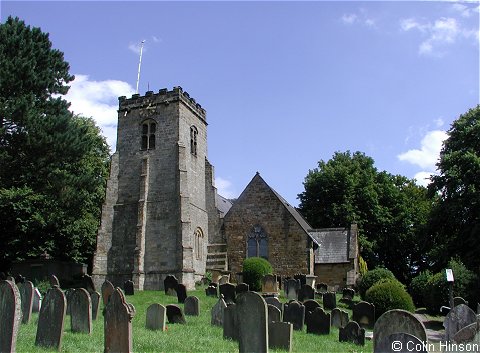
x=53 y=163
x=455 y=220
x=390 y=210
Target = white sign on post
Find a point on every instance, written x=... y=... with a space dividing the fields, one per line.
x=449 y=273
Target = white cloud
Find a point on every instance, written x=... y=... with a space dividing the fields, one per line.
x=349 y=18
x=224 y=188
x=135 y=47
x=464 y=10
x=423 y=178
x=99 y=100
x=361 y=18
x=427 y=156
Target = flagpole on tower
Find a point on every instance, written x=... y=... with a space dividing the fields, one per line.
x=139 y=65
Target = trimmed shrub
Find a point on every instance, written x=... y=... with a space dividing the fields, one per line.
x=418 y=287
x=372 y=277
x=254 y=268
x=436 y=293
x=362 y=266
x=388 y=294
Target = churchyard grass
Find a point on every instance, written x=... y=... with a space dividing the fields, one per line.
x=198 y=335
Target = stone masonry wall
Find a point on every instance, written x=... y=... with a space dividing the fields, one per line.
x=333 y=274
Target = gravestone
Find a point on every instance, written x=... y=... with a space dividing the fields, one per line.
x=181 y=293
x=175 y=314
x=81 y=311
x=26 y=296
x=11 y=279
x=348 y=294
x=318 y=322
x=458 y=301
x=252 y=323
x=401 y=342
x=217 y=312
x=107 y=291
x=280 y=335
x=310 y=306
x=292 y=288
x=306 y=292
x=128 y=287
x=88 y=284
x=68 y=296
x=275 y=302
x=223 y=279
x=301 y=278
x=339 y=318
x=19 y=279
x=322 y=287
x=192 y=306
x=352 y=332
x=95 y=297
x=228 y=292
x=51 y=319
x=37 y=301
x=156 y=317
x=466 y=334
x=478 y=308
x=54 y=281
x=118 y=323
x=458 y=317
x=294 y=312
x=211 y=291
x=274 y=314
x=269 y=284
x=10 y=315
x=170 y=284
x=397 y=320
x=230 y=323
x=241 y=288
x=329 y=300
x=364 y=314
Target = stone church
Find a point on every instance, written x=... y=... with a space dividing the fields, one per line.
x=162 y=214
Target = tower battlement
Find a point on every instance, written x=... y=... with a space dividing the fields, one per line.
x=150 y=100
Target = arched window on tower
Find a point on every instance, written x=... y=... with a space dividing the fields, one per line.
x=149 y=128
x=193 y=140
x=257 y=243
x=198 y=243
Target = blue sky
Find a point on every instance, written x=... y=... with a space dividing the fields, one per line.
x=285 y=84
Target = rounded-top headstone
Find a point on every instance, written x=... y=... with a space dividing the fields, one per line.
x=107 y=291
x=118 y=323
x=401 y=342
x=10 y=314
x=252 y=318
x=51 y=319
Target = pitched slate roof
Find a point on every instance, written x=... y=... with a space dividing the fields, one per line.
x=223 y=204
x=335 y=245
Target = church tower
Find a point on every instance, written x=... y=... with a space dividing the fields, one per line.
x=160 y=194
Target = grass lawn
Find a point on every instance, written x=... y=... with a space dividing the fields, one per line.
x=196 y=336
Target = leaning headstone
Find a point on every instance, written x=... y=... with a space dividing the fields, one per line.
x=292 y=287
x=217 y=312
x=329 y=300
x=252 y=323
x=274 y=314
x=10 y=315
x=118 y=323
x=192 y=306
x=322 y=287
x=394 y=321
x=230 y=322
x=466 y=334
x=401 y=342
x=294 y=312
x=348 y=294
x=170 y=284
x=280 y=335
x=107 y=291
x=156 y=317
x=339 y=318
x=211 y=291
x=269 y=284
x=175 y=314
x=306 y=292
x=37 y=301
x=241 y=288
x=128 y=287
x=81 y=311
x=228 y=292
x=318 y=322
x=51 y=319
x=26 y=296
x=95 y=297
x=181 y=292
x=88 y=284
x=352 y=332
x=458 y=301
x=458 y=317
x=364 y=314
x=54 y=281
x=275 y=302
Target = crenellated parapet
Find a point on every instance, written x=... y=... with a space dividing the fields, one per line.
x=164 y=97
